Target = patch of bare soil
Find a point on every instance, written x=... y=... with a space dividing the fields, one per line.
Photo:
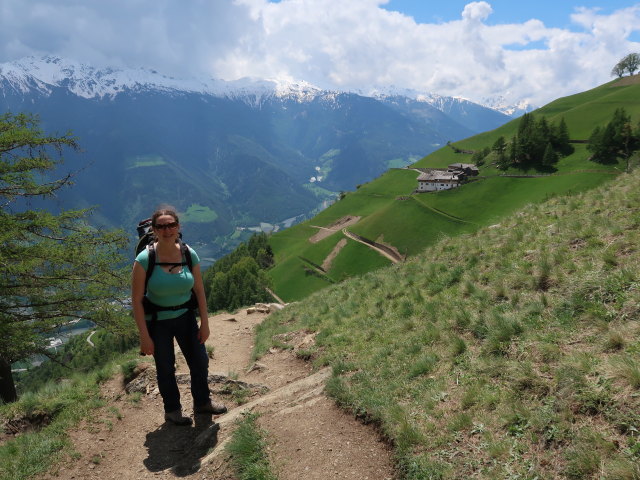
x=339 y=224
x=309 y=437
x=326 y=264
x=628 y=80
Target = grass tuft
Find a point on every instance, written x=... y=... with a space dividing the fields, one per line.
x=248 y=451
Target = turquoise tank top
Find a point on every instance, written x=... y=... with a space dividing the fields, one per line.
x=168 y=289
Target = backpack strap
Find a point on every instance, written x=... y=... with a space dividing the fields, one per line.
x=152 y=308
x=186 y=254
x=184 y=250
x=151 y=264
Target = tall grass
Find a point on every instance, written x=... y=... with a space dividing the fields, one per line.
x=64 y=404
x=248 y=451
x=502 y=353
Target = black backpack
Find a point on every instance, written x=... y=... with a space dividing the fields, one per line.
x=146 y=240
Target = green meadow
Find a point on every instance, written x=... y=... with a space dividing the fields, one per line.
x=390 y=211
x=511 y=351
x=140 y=161
x=199 y=214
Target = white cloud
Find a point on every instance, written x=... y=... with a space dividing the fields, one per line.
x=351 y=44
x=476 y=11
x=162 y=34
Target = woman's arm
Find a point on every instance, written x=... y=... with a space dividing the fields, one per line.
x=138 y=278
x=198 y=288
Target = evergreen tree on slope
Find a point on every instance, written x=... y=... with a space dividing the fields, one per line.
x=53 y=267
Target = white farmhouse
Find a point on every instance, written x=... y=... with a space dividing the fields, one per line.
x=434 y=180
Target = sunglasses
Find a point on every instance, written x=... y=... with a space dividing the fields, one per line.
x=164 y=226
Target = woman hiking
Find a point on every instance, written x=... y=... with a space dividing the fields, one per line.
x=164 y=306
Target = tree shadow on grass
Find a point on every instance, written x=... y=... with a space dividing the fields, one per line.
x=180 y=448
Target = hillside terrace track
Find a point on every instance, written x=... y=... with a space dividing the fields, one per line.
x=381 y=249
x=324 y=232
x=316 y=268
x=273 y=294
x=443 y=213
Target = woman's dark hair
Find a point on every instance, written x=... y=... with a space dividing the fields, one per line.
x=164 y=210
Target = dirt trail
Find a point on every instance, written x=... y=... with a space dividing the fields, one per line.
x=339 y=224
x=386 y=251
x=309 y=437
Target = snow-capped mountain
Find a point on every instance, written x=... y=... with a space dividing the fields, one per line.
x=515 y=110
x=476 y=117
x=86 y=81
x=441 y=102
x=447 y=104
x=234 y=153
x=41 y=74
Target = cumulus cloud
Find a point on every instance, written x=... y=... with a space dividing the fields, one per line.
x=350 y=45
x=476 y=11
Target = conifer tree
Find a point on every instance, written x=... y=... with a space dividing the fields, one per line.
x=478 y=158
x=499 y=147
x=550 y=156
x=54 y=266
x=616 y=139
x=513 y=150
x=562 y=139
x=528 y=146
x=523 y=146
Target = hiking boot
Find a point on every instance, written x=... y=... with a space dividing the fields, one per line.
x=176 y=418
x=211 y=408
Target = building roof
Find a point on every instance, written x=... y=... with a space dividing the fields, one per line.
x=463 y=166
x=438 y=176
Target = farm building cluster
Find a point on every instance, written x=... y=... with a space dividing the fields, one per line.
x=434 y=179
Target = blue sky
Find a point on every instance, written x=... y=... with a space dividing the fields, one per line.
x=553 y=13
x=517 y=51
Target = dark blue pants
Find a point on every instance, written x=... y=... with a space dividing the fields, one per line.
x=184 y=329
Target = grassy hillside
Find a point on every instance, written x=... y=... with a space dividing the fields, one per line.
x=390 y=213
x=508 y=352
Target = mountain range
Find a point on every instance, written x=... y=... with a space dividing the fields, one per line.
x=230 y=155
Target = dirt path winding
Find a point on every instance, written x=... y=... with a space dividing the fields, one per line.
x=384 y=250
x=336 y=226
x=308 y=436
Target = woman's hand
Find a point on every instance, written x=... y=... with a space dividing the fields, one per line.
x=146 y=345
x=198 y=288
x=203 y=333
